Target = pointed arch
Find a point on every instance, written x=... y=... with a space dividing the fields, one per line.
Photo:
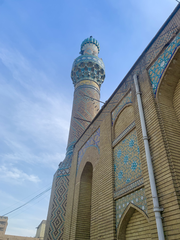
x=169 y=79
x=84 y=204
x=123 y=120
x=125 y=219
x=168 y=93
x=168 y=100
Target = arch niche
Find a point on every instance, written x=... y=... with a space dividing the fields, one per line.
x=87 y=185
x=168 y=99
x=134 y=224
x=123 y=120
x=84 y=204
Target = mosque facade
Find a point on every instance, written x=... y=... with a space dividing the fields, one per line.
x=120 y=178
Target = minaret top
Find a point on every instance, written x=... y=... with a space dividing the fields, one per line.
x=90 y=46
x=88 y=66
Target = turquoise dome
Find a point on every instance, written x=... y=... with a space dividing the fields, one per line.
x=90 y=40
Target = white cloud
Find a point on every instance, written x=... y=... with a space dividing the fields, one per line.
x=51 y=160
x=16 y=176
x=34 y=124
x=34 y=120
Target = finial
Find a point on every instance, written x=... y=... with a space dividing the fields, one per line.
x=91 y=45
x=88 y=66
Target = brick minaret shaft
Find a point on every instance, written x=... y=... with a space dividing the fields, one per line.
x=87 y=74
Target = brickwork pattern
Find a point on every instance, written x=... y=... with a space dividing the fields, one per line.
x=83 y=108
x=124 y=133
x=106 y=223
x=176 y=101
x=85 y=202
x=124 y=120
x=141 y=226
x=125 y=101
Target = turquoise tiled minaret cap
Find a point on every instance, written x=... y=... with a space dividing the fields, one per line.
x=88 y=66
x=90 y=40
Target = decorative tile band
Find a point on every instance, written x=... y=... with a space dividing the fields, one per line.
x=127 y=163
x=88 y=83
x=128 y=129
x=128 y=188
x=138 y=198
x=88 y=67
x=66 y=164
x=90 y=86
x=116 y=111
x=94 y=141
x=87 y=58
x=63 y=172
x=157 y=69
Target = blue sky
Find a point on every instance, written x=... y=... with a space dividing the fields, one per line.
x=39 y=40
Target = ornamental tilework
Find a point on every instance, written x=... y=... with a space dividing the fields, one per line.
x=128 y=188
x=88 y=67
x=159 y=43
x=127 y=164
x=58 y=211
x=157 y=69
x=94 y=141
x=137 y=198
x=125 y=101
x=163 y=39
x=87 y=58
x=66 y=164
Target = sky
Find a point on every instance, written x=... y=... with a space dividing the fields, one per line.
x=39 y=40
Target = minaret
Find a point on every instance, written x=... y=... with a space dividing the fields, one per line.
x=88 y=73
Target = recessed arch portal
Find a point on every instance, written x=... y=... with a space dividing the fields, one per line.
x=168 y=99
x=134 y=224
x=169 y=80
x=84 y=204
x=123 y=120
